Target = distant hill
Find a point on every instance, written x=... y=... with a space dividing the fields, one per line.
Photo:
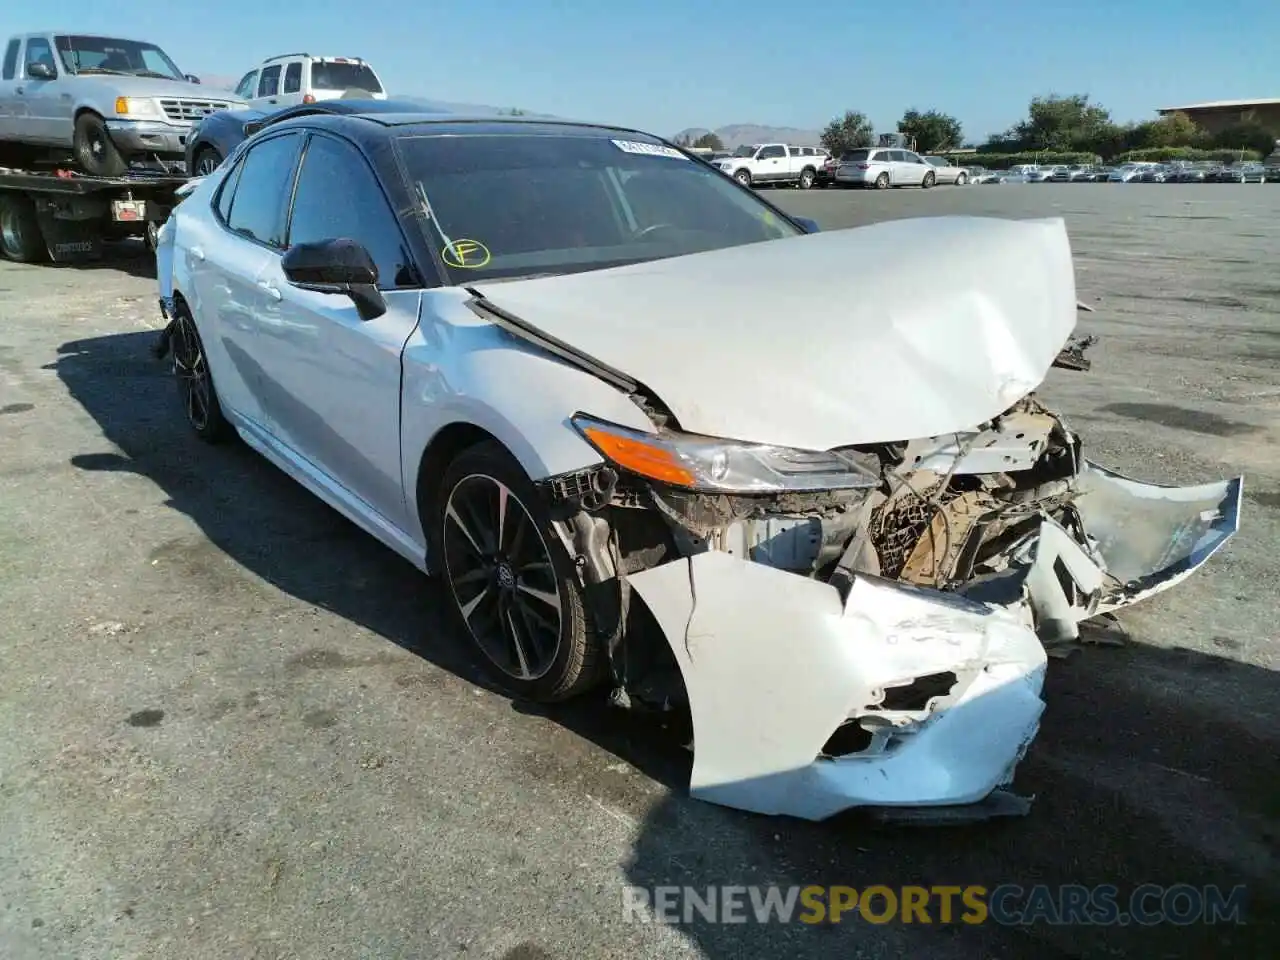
x=738 y=134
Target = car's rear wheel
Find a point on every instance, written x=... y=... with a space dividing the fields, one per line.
x=20 y=235
x=962 y=179
x=513 y=585
x=206 y=161
x=94 y=150
x=928 y=181
x=195 y=380
x=807 y=176
x=882 y=182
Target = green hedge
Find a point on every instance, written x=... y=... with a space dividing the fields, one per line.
x=1160 y=154
x=1002 y=161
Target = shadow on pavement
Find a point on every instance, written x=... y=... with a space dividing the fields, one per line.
x=1153 y=765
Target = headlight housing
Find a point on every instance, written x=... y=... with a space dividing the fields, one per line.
x=136 y=107
x=722 y=466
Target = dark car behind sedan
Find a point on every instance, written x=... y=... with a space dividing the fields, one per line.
x=217 y=136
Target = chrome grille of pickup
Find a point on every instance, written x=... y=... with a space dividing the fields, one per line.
x=190 y=111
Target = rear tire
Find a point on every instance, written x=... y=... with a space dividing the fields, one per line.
x=195 y=380
x=514 y=588
x=807 y=176
x=882 y=182
x=95 y=152
x=20 y=236
x=962 y=179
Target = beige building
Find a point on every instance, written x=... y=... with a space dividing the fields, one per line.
x=1221 y=114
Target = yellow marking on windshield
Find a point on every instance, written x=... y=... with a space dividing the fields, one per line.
x=465 y=254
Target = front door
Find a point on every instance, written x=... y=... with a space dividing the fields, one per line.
x=335 y=378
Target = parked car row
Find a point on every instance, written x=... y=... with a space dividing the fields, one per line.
x=1240 y=172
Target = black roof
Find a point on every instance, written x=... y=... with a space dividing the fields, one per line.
x=370 y=125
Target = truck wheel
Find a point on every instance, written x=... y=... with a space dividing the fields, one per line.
x=807 y=176
x=94 y=151
x=882 y=182
x=20 y=235
x=743 y=177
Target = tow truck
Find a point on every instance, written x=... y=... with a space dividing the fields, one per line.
x=57 y=213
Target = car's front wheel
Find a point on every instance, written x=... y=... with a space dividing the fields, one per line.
x=513 y=585
x=962 y=179
x=94 y=150
x=205 y=162
x=743 y=177
x=929 y=180
x=195 y=380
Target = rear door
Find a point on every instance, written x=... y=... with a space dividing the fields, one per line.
x=246 y=233
x=291 y=84
x=335 y=377
x=268 y=97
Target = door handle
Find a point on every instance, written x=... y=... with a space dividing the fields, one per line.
x=197 y=252
x=272 y=100
x=270 y=289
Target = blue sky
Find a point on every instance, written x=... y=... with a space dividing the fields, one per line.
x=663 y=65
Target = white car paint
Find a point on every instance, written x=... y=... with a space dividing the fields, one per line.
x=807 y=342
x=962 y=347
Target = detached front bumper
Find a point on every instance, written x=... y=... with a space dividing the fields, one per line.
x=807 y=704
x=148 y=136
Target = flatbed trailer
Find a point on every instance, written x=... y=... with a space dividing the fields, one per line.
x=65 y=216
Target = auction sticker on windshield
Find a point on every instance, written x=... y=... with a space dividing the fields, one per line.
x=466 y=254
x=649 y=149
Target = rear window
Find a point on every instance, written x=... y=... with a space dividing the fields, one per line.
x=330 y=75
x=852 y=156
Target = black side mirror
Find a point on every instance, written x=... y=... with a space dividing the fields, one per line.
x=340 y=266
x=40 y=71
x=809 y=226
x=192 y=78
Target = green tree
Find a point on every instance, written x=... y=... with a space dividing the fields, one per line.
x=932 y=131
x=848 y=132
x=1060 y=123
x=682 y=140
x=1248 y=135
x=709 y=141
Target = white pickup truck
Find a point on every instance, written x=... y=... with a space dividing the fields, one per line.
x=774 y=163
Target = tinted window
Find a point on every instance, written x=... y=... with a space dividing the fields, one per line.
x=769 y=153
x=228 y=191
x=293 y=78
x=558 y=204
x=854 y=156
x=269 y=85
x=331 y=169
x=910 y=157
x=10 y=60
x=247 y=84
x=39 y=51
x=327 y=75
x=262 y=190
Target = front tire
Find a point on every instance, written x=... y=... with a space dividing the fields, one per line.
x=807 y=176
x=962 y=179
x=743 y=177
x=207 y=160
x=514 y=588
x=195 y=380
x=929 y=180
x=94 y=150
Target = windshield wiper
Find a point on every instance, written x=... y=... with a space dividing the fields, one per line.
x=115 y=73
x=153 y=73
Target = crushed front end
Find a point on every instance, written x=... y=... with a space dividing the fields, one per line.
x=865 y=627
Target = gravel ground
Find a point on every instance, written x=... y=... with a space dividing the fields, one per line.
x=233 y=726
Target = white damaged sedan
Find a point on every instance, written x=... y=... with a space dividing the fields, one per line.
x=658 y=436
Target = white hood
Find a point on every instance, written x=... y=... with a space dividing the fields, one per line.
x=905 y=329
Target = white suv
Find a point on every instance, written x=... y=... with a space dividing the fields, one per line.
x=294 y=78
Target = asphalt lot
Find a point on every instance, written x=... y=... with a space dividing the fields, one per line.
x=232 y=725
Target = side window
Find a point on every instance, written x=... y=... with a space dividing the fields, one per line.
x=332 y=168
x=39 y=51
x=269 y=85
x=227 y=191
x=262 y=190
x=910 y=157
x=773 y=152
x=247 y=85
x=293 y=77
x=10 y=60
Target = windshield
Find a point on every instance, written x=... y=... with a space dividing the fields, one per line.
x=332 y=75
x=511 y=205
x=88 y=55
x=747 y=151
